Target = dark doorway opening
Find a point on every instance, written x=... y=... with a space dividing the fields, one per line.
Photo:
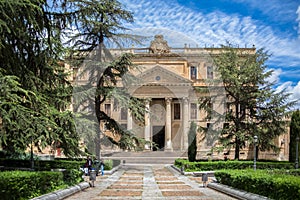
x=158 y=136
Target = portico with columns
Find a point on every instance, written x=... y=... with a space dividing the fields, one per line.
x=166 y=97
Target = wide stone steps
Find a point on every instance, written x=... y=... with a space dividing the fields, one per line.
x=149 y=157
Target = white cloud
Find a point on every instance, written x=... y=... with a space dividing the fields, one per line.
x=182 y=25
x=274 y=78
x=214 y=28
x=294 y=90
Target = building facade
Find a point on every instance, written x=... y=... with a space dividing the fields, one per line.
x=166 y=82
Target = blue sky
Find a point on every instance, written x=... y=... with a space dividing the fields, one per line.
x=273 y=25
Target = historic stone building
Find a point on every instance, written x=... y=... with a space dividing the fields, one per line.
x=167 y=82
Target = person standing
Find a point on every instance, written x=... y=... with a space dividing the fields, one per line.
x=102 y=167
x=89 y=163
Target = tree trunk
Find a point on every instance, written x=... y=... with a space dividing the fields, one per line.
x=237 y=149
x=98 y=100
x=237 y=125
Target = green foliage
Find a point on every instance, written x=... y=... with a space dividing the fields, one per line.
x=72 y=176
x=98 y=23
x=47 y=165
x=217 y=165
x=34 y=87
x=253 y=105
x=43 y=165
x=294 y=132
x=108 y=164
x=192 y=141
x=102 y=24
x=266 y=183
x=26 y=185
x=54 y=164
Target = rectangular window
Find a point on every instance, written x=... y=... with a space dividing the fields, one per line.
x=193 y=73
x=107 y=109
x=124 y=113
x=210 y=73
x=176 y=110
x=193 y=111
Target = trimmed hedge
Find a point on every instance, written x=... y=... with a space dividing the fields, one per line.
x=29 y=184
x=272 y=184
x=42 y=165
x=217 y=165
x=47 y=165
x=72 y=176
x=25 y=185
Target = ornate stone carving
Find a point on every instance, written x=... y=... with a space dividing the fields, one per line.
x=159 y=45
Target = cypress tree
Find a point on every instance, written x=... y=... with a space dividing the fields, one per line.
x=294 y=133
x=192 y=140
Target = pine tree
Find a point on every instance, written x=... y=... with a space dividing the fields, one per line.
x=100 y=24
x=253 y=107
x=35 y=91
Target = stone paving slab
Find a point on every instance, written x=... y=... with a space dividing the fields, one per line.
x=149 y=183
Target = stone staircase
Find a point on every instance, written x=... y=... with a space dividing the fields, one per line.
x=147 y=157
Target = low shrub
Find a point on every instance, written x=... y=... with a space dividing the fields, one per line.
x=269 y=183
x=42 y=165
x=72 y=176
x=216 y=165
x=108 y=164
x=47 y=165
x=25 y=185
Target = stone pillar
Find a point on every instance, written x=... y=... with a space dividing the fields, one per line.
x=147 y=123
x=185 y=122
x=129 y=120
x=168 y=129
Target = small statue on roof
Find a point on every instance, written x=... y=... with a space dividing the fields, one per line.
x=159 y=45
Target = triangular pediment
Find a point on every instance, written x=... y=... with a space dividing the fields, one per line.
x=161 y=76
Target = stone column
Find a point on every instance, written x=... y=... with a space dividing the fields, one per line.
x=147 y=123
x=168 y=129
x=185 y=122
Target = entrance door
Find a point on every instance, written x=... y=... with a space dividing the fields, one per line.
x=158 y=136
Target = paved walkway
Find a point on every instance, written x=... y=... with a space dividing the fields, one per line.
x=148 y=182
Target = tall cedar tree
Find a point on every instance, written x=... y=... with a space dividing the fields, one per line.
x=98 y=24
x=253 y=107
x=294 y=133
x=35 y=91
